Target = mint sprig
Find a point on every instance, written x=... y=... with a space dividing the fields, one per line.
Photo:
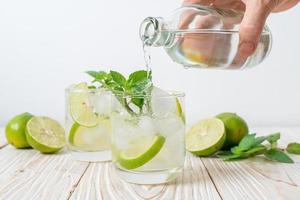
x=129 y=92
x=278 y=155
x=251 y=146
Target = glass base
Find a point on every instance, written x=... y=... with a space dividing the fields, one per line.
x=96 y=156
x=150 y=177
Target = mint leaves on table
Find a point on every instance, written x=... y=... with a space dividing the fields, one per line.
x=131 y=91
x=278 y=155
x=293 y=148
x=251 y=146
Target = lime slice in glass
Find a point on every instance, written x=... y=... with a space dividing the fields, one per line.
x=206 y=137
x=80 y=107
x=45 y=134
x=141 y=153
x=179 y=109
x=91 y=139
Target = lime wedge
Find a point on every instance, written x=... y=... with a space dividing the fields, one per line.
x=80 y=107
x=179 y=110
x=206 y=137
x=91 y=139
x=45 y=134
x=137 y=157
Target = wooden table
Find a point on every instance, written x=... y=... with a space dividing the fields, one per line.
x=27 y=174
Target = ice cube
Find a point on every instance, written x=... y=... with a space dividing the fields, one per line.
x=117 y=107
x=123 y=131
x=169 y=125
x=146 y=124
x=101 y=102
x=162 y=102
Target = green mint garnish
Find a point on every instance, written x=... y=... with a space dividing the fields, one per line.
x=278 y=155
x=251 y=146
x=129 y=92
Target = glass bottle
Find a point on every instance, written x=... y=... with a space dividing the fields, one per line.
x=203 y=37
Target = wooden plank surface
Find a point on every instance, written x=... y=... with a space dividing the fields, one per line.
x=100 y=182
x=258 y=178
x=27 y=174
x=2 y=138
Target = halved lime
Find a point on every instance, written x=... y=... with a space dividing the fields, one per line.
x=91 y=139
x=45 y=134
x=141 y=153
x=80 y=107
x=206 y=137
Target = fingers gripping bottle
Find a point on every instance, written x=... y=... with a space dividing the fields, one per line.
x=203 y=37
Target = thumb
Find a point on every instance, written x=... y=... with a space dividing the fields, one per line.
x=252 y=25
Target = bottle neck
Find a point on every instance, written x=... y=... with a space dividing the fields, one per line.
x=151 y=32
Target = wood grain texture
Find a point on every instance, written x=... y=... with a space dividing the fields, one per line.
x=258 y=178
x=101 y=182
x=28 y=174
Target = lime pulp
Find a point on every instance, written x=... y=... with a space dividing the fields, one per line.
x=206 y=137
x=45 y=134
x=80 y=108
x=91 y=139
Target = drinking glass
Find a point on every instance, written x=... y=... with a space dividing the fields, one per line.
x=148 y=145
x=88 y=127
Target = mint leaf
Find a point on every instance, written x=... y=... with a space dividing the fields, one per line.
x=273 y=137
x=259 y=149
x=277 y=155
x=138 y=101
x=230 y=157
x=259 y=140
x=224 y=153
x=128 y=92
x=113 y=86
x=227 y=155
x=101 y=75
x=92 y=73
x=247 y=142
x=137 y=84
x=118 y=78
x=293 y=148
x=251 y=146
x=140 y=85
x=236 y=150
x=136 y=77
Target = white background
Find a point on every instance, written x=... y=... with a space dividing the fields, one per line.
x=47 y=45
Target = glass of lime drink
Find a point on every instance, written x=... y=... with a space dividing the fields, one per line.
x=88 y=127
x=148 y=144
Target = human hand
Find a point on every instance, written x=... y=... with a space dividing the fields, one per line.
x=256 y=13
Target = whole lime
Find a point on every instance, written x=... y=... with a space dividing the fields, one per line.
x=15 y=131
x=235 y=127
